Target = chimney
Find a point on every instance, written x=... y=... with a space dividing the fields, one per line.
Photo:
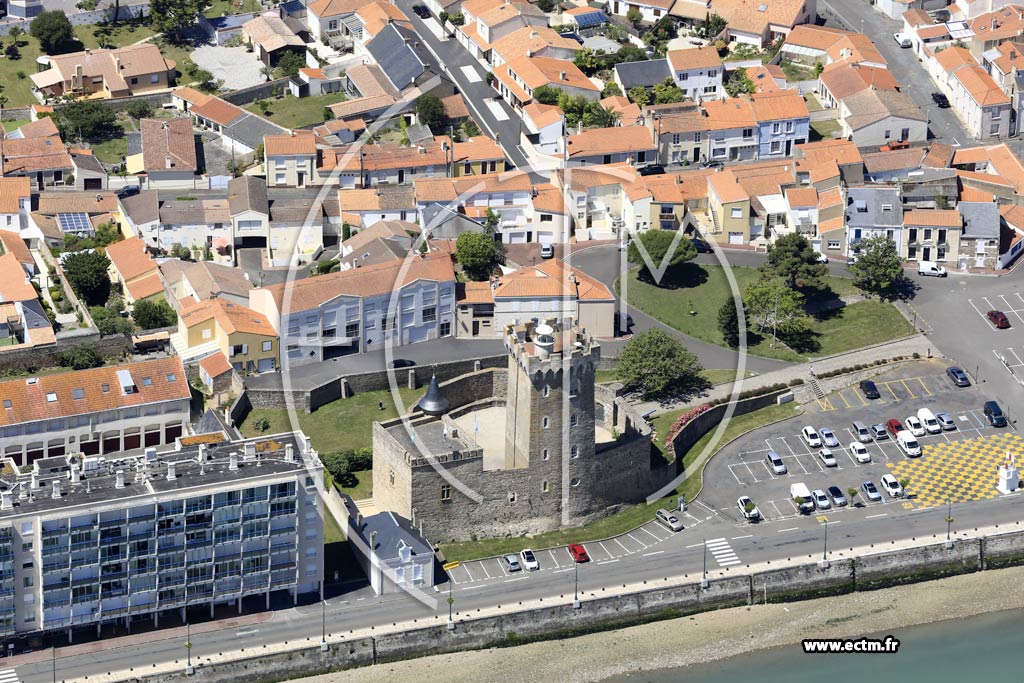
x=56 y=490
x=561 y=76
x=373 y=541
x=119 y=482
x=233 y=461
x=117 y=63
x=167 y=161
x=6 y=500
x=75 y=475
x=171 y=476
x=529 y=53
x=202 y=453
x=35 y=481
x=249 y=450
x=289 y=452
x=534 y=35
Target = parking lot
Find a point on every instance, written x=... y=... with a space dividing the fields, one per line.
x=1010 y=304
x=647 y=540
x=958 y=465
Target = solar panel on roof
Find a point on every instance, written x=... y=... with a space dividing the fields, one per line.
x=74 y=222
x=591 y=19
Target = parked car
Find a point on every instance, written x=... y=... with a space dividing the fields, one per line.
x=836 y=494
x=859 y=451
x=860 y=431
x=701 y=246
x=893 y=426
x=821 y=500
x=994 y=414
x=652 y=169
x=828 y=438
x=869 y=389
x=999 y=319
x=820 y=258
x=930 y=269
x=892 y=486
x=128 y=191
x=511 y=563
x=811 y=437
x=547 y=251
x=958 y=376
x=421 y=11
x=945 y=421
x=902 y=39
x=914 y=426
x=908 y=444
x=870 y=492
x=669 y=520
x=941 y=100
x=578 y=552
x=775 y=463
x=748 y=509
x=529 y=560
x=927 y=419
x=878 y=431
x=827 y=459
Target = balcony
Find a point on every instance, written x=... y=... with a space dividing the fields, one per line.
x=84 y=580
x=142 y=536
x=282 y=565
x=142 y=518
x=112 y=523
x=49 y=533
x=283 y=530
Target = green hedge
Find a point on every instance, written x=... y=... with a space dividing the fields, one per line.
x=341 y=464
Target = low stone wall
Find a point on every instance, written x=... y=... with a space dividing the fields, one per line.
x=257 y=92
x=30 y=360
x=1003 y=550
x=785 y=583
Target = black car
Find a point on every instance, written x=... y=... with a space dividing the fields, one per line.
x=958 y=376
x=421 y=11
x=652 y=169
x=700 y=245
x=994 y=414
x=941 y=100
x=869 y=389
x=128 y=191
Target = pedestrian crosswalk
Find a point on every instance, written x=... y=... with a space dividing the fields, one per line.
x=720 y=549
x=8 y=676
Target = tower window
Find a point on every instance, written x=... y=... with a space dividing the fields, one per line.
x=547 y=391
x=446 y=492
x=573 y=420
x=546 y=422
x=574 y=482
x=574 y=452
x=545 y=454
x=512 y=497
x=545 y=486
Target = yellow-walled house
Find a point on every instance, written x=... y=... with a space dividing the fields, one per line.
x=135 y=271
x=243 y=335
x=729 y=206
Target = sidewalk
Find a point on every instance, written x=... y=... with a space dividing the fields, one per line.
x=900 y=347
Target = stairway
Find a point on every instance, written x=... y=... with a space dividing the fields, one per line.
x=816 y=389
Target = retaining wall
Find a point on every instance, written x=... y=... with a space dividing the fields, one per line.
x=693 y=430
x=890 y=568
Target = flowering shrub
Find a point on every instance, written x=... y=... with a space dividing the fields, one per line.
x=679 y=423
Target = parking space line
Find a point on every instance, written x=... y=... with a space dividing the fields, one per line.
x=601 y=543
x=1011 y=309
x=924 y=387
x=825 y=404
x=907 y=387
x=484 y=567
x=843 y=398
x=468 y=573
x=501 y=566
x=793 y=453
x=777 y=510
x=642 y=544
x=621 y=546
x=978 y=311
x=863 y=401
x=894 y=396
x=1017 y=294
x=554 y=558
x=738 y=480
x=657 y=538
x=752 y=475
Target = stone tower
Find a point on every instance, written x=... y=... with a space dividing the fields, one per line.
x=550 y=400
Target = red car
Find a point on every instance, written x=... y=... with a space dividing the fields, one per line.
x=894 y=426
x=578 y=552
x=999 y=319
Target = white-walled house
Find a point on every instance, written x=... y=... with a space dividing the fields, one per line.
x=698 y=72
x=650 y=10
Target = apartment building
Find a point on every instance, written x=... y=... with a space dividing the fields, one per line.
x=983 y=108
x=400 y=302
x=111 y=409
x=87 y=541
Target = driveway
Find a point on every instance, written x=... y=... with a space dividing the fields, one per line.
x=857 y=15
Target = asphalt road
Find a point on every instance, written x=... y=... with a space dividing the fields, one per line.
x=857 y=15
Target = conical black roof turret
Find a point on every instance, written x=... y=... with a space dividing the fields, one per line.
x=433 y=403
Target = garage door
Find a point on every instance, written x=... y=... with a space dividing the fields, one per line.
x=93 y=184
x=545 y=237
x=516 y=237
x=735 y=238
x=266 y=365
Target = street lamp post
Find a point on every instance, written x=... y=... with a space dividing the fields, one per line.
x=949 y=523
x=323 y=625
x=53 y=653
x=704 y=575
x=188 y=646
x=824 y=552
x=576 y=585
x=451 y=601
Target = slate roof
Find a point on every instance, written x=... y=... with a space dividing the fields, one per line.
x=646 y=74
x=393 y=51
x=981 y=220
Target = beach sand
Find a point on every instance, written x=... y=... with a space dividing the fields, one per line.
x=711 y=635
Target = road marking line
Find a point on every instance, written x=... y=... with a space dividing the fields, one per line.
x=883 y=514
x=471 y=74
x=559 y=571
x=736 y=538
x=843 y=398
x=473 y=588
x=237 y=633
x=518 y=578
x=656 y=552
x=497 y=110
x=695 y=545
x=782 y=531
x=608 y=561
x=907 y=387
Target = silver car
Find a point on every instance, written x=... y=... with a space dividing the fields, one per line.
x=511 y=563
x=669 y=520
x=828 y=437
x=945 y=421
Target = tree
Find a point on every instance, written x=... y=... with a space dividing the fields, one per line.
x=150 y=315
x=611 y=89
x=713 y=25
x=771 y=305
x=878 y=269
x=12 y=51
x=87 y=120
x=739 y=83
x=729 y=322
x=546 y=94
x=634 y=15
x=469 y=129
x=667 y=92
x=290 y=63
x=546 y=5
x=658 y=366
x=54 y=32
x=80 y=357
x=109 y=321
x=657 y=243
x=640 y=96
x=630 y=53
x=586 y=60
x=87 y=273
x=793 y=259
x=181 y=252
x=174 y=17
x=139 y=109
x=475 y=252
x=430 y=112
x=598 y=117
x=16 y=33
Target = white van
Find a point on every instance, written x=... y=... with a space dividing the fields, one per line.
x=929 y=421
x=930 y=268
x=908 y=443
x=800 y=491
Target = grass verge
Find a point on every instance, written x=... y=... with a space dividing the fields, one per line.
x=623 y=521
x=292 y=112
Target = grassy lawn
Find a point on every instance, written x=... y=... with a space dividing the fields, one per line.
x=797 y=72
x=363 y=488
x=17 y=123
x=292 y=112
x=110 y=151
x=812 y=102
x=826 y=130
x=703 y=289
x=126 y=33
x=620 y=522
x=342 y=425
x=332 y=530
